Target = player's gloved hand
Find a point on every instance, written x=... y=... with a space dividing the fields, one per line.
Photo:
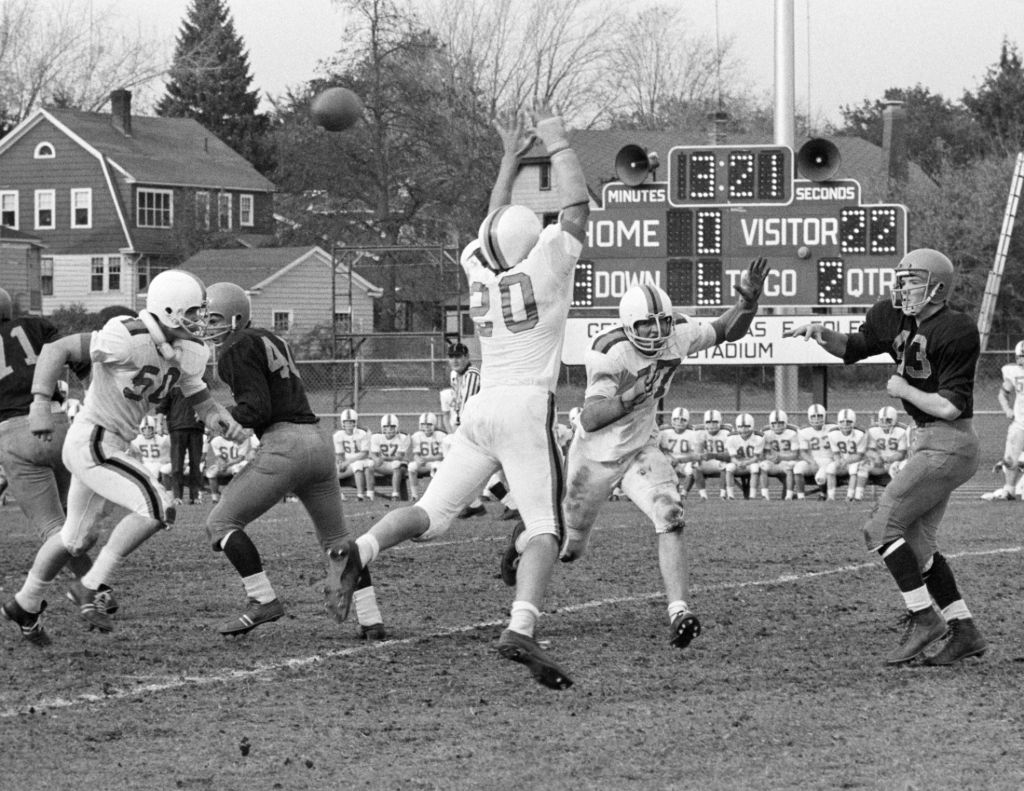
x=575 y=545
x=752 y=282
x=231 y=429
x=40 y=420
x=550 y=128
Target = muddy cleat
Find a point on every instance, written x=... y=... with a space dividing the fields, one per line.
x=470 y=511
x=510 y=557
x=92 y=607
x=964 y=641
x=374 y=633
x=255 y=614
x=924 y=627
x=343 y=570
x=998 y=494
x=105 y=599
x=685 y=626
x=525 y=650
x=30 y=623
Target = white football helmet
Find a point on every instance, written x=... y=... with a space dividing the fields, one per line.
x=887 y=416
x=712 y=420
x=1018 y=352
x=680 y=418
x=574 y=417
x=745 y=424
x=934 y=269
x=148 y=427
x=816 y=415
x=647 y=318
x=507 y=235
x=428 y=420
x=389 y=425
x=846 y=420
x=778 y=419
x=348 y=419
x=229 y=309
x=178 y=300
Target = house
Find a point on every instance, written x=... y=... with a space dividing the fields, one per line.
x=115 y=198
x=20 y=256
x=293 y=289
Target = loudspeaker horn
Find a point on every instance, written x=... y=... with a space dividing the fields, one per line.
x=818 y=159
x=633 y=163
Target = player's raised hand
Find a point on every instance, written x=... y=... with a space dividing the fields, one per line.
x=516 y=137
x=809 y=332
x=752 y=281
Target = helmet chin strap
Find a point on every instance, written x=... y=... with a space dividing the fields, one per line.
x=156 y=332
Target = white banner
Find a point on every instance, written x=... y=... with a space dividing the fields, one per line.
x=763 y=345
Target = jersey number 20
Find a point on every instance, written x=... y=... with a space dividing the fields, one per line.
x=517 y=318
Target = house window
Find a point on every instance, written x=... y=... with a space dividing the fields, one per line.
x=45 y=151
x=154 y=208
x=545 y=176
x=44 y=209
x=114 y=273
x=9 y=208
x=245 y=214
x=203 y=210
x=96 y=280
x=282 y=320
x=46 y=276
x=224 y=211
x=81 y=208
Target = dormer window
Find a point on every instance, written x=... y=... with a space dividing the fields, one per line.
x=45 y=151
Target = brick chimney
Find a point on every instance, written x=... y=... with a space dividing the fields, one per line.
x=894 y=143
x=121 y=111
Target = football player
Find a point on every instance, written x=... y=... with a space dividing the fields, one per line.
x=292 y=457
x=389 y=452
x=679 y=441
x=712 y=451
x=781 y=453
x=225 y=459
x=746 y=449
x=815 y=453
x=352 y=452
x=936 y=351
x=154 y=451
x=848 y=445
x=134 y=362
x=521 y=279
x=886 y=445
x=629 y=369
x=1012 y=403
x=427 y=452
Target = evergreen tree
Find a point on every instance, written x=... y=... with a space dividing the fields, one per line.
x=210 y=82
x=998 y=104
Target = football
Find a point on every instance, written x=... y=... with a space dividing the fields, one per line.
x=336 y=109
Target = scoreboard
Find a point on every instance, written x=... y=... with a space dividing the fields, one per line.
x=723 y=206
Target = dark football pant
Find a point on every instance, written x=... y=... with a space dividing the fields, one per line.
x=37 y=476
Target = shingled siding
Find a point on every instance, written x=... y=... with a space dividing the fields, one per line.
x=72 y=167
x=72 y=284
x=305 y=292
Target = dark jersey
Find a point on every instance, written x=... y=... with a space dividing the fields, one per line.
x=23 y=339
x=258 y=367
x=938 y=355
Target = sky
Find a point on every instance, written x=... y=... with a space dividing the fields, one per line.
x=845 y=51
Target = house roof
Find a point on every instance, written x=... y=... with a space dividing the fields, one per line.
x=11 y=235
x=165 y=151
x=255 y=269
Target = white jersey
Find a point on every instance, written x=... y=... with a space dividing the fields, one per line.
x=887 y=444
x=154 y=451
x=845 y=446
x=1013 y=382
x=348 y=445
x=680 y=445
x=520 y=314
x=614 y=365
x=129 y=377
x=429 y=448
x=785 y=443
x=815 y=441
x=712 y=444
x=394 y=449
x=231 y=456
x=744 y=450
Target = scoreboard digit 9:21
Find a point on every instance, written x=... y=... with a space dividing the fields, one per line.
x=722 y=206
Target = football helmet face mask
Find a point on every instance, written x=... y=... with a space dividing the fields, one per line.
x=712 y=421
x=680 y=418
x=923 y=276
x=229 y=309
x=846 y=420
x=506 y=237
x=778 y=420
x=1018 y=352
x=745 y=424
x=148 y=427
x=647 y=318
x=178 y=300
x=816 y=415
x=348 y=418
x=887 y=417
x=389 y=426
x=6 y=306
x=428 y=420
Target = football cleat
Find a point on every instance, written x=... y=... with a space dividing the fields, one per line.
x=374 y=633
x=510 y=557
x=964 y=641
x=91 y=607
x=255 y=614
x=509 y=514
x=343 y=569
x=470 y=511
x=922 y=629
x=998 y=494
x=105 y=599
x=685 y=626
x=525 y=650
x=30 y=623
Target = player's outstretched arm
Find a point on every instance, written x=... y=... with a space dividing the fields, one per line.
x=831 y=341
x=49 y=368
x=516 y=141
x=566 y=171
x=734 y=323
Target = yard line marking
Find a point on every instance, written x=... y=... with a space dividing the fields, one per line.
x=177 y=682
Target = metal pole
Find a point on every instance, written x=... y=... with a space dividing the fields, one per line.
x=988 y=302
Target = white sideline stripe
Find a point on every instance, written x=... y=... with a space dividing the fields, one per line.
x=177 y=682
